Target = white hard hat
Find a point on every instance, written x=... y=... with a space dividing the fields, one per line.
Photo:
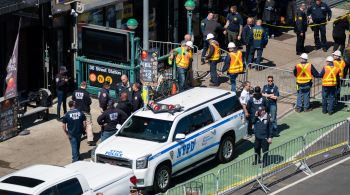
x=210 y=36
x=329 y=59
x=189 y=44
x=337 y=53
x=304 y=56
x=231 y=45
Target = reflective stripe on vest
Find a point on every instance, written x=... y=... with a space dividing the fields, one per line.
x=236 y=63
x=216 y=54
x=183 y=60
x=304 y=73
x=341 y=65
x=329 y=78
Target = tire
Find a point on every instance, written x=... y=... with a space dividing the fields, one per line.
x=226 y=149
x=158 y=185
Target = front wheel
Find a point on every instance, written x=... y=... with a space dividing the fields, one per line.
x=162 y=179
x=226 y=149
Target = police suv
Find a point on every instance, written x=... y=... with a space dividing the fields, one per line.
x=158 y=146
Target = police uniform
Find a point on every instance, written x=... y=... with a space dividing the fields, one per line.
x=120 y=88
x=61 y=89
x=125 y=106
x=300 y=27
x=234 y=66
x=82 y=101
x=103 y=98
x=320 y=14
x=213 y=55
x=272 y=104
x=258 y=40
x=235 y=23
x=255 y=103
x=262 y=132
x=109 y=120
x=330 y=79
x=137 y=101
x=304 y=73
x=74 y=119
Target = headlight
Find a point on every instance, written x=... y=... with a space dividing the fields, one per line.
x=93 y=150
x=142 y=163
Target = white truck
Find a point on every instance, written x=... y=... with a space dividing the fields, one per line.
x=87 y=178
x=159 y=146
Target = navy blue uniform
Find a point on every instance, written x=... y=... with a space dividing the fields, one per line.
x=125 y=106
x=120 y=88
x=262 y=131
x=103 y=98
x=258 y=39
x=247 y=29
x=300 y=27
x=272 y=89
x=82 y=100
x=61 y=89
x=109 y=120
x=235 y=22
x=137 y=101
x=74 y=119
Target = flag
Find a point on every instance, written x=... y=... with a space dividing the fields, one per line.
x=11 y=78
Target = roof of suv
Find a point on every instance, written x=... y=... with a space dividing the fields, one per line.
x=187 y=99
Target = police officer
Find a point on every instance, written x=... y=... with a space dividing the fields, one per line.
x=124 y=104
x=233 y=64
x=103 y=96
x=82 y=102
x=124 y=86
x=258 y=40
x=234 y=25
x=61 y=89
x=304 y=73
x=319 y=13
x=271 y=92
x=245 y=37
x=300 y=28
x=74 y=123
x=109 y=120
x=137 y=101
x=256 y=101
x=213 y=55
x=183 y=58
x=263 y=134
x=330 y=79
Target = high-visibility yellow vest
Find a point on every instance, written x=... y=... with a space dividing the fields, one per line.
x=341 y=65
x=236 y=63
x=304 y=73
x=330 y=76
x=183 y=59
x=216 y=54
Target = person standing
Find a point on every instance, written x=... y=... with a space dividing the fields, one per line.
x=137 y=101
x=124 y=104
x=319 y=12
x=61 y=89
x=245 y=37
x=263 y=135
x=103 y=96
x=82 y=101
x=109 y=120
x=183 y=59
x=330 y=79
x=203 y=30
x=270 y=16
x=123 y=86
x=255 y=102
x=243 y=99
x=304 y=72
x=300 y=28
x=340 y=25
x=343 y=69
x=213 y=55
x=271 y=92
x=258 y=40
x=233 y=64
x=74 y=123
x=234 y=25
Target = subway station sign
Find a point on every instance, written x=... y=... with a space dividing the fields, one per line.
x=99 y=74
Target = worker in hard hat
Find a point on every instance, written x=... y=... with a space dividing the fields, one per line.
x=213 y=55
x=233 y=64
x=330 y=79
x=343 y=69
x=304 y=72
x=183 y=58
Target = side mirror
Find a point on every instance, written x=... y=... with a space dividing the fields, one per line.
x=180 y=136
x=118 y=127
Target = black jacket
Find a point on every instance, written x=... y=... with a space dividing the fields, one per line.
x=82 y=100
x=120 y=88
x=246 y=34
x=110 y=118
x=125 y=106
x=270 y=11
x=262 y=127
x=300 y=22
x=103 y=98
x=137 y=101
x=213 y=27
x=61 y=84
x=340 y=26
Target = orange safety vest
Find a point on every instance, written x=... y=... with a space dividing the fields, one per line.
x=304 y=74
x=341 y=65
x=330 y=76
x=216 y=54
x=183 y=60
x=236 y=63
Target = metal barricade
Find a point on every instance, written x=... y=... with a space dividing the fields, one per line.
x=238 y=174
x=193 y=187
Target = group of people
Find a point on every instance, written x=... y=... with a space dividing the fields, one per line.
x=78 y=120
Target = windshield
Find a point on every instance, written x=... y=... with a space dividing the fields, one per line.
x=146 y=129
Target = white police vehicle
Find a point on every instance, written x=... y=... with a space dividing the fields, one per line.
x=158 y=146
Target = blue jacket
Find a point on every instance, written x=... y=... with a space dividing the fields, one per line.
x=262 y=127
x=246 y=34
x=319 y=13
x=258 y=37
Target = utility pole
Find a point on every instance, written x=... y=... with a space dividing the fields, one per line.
x=145 y=25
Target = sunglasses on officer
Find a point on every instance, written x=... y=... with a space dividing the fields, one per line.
x=270 y=80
